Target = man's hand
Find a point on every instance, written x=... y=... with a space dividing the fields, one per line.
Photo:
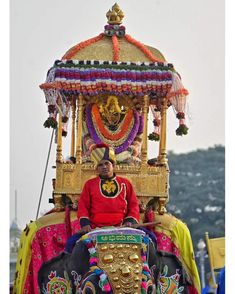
x=86 y=229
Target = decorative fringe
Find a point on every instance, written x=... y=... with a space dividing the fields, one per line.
x=177 y=96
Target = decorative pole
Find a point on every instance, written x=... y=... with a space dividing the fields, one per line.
x=79 y=130
x=162 y=157
x=145 y=132
x=72 y=149
x=201 y=254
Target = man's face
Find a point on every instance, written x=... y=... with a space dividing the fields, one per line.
x=105 y=168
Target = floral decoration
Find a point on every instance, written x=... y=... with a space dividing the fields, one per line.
x=93 y=261
x=99 y=138
x=154 y=136
x=180 y=115
x=117 y=30
x=50 y=123
x=115 y=48
x=142 y=47
x=181 y=130
x=82 y=45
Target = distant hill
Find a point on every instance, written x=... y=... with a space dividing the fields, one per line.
x=197 y=190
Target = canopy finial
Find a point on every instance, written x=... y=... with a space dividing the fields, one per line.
x=115 y=15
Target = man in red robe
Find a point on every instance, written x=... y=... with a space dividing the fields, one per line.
x=107 y=200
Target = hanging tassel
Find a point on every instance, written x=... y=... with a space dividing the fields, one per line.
x=155 y=135
x=149 y=215
x=68 y=222
x=177 y=97
x=182 y=129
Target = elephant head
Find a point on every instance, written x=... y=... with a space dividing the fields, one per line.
x=114 y=260
x=110 y=260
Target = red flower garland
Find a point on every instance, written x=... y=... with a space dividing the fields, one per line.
x=105 y=133
x=82 y=45
x=115 y=48
x=178 y=92
x=141 y=46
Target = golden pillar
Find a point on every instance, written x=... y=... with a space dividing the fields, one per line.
x=72 y=147
x=162 y=157
x=79 y=130
x=59 y=156
x=144 y=148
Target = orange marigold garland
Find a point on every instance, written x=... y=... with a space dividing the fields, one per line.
x=82 y=45
x=141 y=46
x=115 y=48
x=109 y=135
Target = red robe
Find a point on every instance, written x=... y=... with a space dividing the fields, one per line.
x=107 y=202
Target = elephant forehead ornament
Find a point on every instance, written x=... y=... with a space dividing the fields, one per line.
x=123 y=258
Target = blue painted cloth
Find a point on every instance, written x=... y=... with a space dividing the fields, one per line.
x=206 y=290
x=221 y=285
x=72 y=241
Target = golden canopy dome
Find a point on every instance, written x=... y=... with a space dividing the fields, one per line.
x=114 y=44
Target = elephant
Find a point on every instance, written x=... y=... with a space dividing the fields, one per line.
x=114 y=260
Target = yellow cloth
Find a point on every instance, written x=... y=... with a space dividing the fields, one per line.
x=24 y=257
x=216 y=251
x=180 y=236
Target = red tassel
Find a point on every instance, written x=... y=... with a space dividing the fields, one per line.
x=149 y=215
x=68 y=222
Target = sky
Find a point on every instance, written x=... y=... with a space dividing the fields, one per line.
x=190 y=34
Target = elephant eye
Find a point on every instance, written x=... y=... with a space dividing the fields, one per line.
x=134 y=257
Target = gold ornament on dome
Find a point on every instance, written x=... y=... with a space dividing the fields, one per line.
x=115 y=15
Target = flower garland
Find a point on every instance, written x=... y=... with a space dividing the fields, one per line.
x=155 y=135
x=82 y=45
x=104 y=282
x=181 y=130
x=177 y=97
x=146 y=274
x=127 y=65
x=115 y=48
x=51 y=99
x=141 y=125
x=89 y=78
x=142 y=47
x=97 y=139
x=110 y=30
x=96 y=80
x=112 y=136
x=50 y=123
x=93 y=261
